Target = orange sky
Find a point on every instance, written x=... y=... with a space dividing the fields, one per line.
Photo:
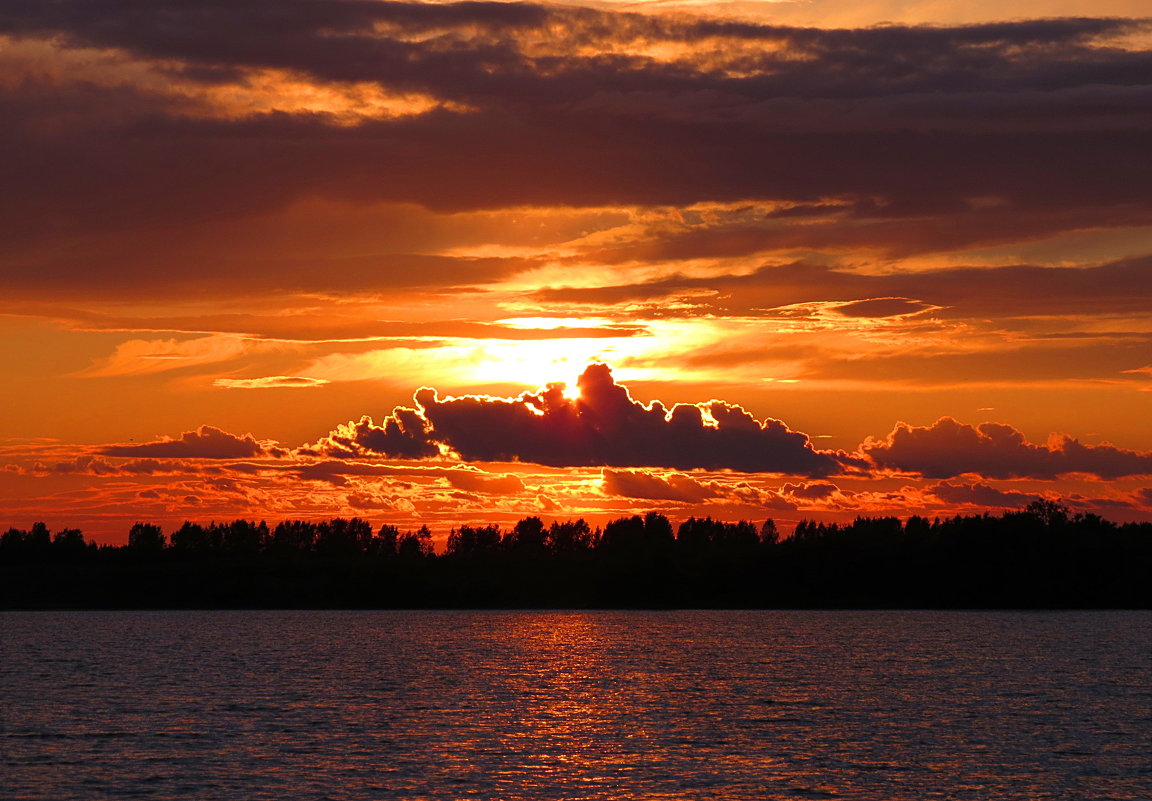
x=888 y=257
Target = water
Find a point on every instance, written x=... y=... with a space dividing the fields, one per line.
x=596 y=705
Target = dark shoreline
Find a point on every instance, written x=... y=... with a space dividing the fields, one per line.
x=1041 y=558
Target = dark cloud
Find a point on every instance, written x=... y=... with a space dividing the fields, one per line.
x=403 y=434
x=949 y=448
x=1078 y=501
x=892 y=230
x=337 y=472
x=486 y=483
x=90 y=465
x=553 y=105
x=813 y=491
x=379 y=503
x=498 y=49
x=645 y=486
x=309 y=326
x=206 y=442
x=1018 y=290
x=1008 y=363
x=453 y=162
x=978 y=494
x=606 y=427
x=883 y=307
x=127 y=269
x=681 y=488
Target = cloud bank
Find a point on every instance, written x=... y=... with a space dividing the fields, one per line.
x=948 y=448
x=603 y=427
x=206 y=442
x=606 y=427
x=462 y=106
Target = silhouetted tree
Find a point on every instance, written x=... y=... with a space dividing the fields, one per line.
x=694 y=537
x=146 y=538
x=737 y=540
x=12 y=542
x=804 y=531
x=917 y=528
x=623 y=535
x=468 y=541
x=769 y=535
x=191 y=538
x=1049 y=512
x=572 y=536
x=69 y=544
x=340 y=537
x=638 y=537
x=415 y=545
x=293 y=536
x=527 y=537
x=658 y=531
x=27 y=545
x=386 y=541
x=1041 y=556
x=40 y=537
x=243 y=537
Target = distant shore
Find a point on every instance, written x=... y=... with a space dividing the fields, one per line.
x=1041 y=558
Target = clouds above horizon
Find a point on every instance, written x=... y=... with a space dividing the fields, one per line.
x=206 y=442
x=786 y=226
x=948 y=448
x=603 y=426
x=418 y=171
x=514 y=104
x=493 y=458
x=952 y=292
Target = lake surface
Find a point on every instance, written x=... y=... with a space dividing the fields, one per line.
x=573 y=705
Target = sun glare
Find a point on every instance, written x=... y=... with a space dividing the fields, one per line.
x=537 y=363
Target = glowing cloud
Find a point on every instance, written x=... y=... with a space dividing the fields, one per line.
x=270 y=382
x=605 y=426
x=206 y=442
x=949 y=448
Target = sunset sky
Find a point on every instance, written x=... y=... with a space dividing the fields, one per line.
x=800 y=260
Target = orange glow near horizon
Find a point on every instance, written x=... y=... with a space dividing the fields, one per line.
x=820 y=246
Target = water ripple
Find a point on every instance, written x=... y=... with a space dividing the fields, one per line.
x=581 y=705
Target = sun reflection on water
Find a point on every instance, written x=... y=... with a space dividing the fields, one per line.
x=527 y=706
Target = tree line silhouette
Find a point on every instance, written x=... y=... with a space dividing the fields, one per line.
x=1041 y=557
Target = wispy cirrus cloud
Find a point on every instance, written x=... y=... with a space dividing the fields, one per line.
x=270 y=382
x=956 y=292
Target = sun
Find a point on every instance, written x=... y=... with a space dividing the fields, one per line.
x=537 y=363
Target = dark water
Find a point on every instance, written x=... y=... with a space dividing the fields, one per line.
x=528 y=705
